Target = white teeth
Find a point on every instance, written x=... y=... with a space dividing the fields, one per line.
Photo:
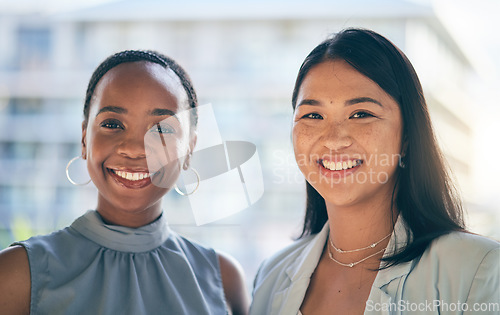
x=339 y=166
x=326 y=164
x=132 y=176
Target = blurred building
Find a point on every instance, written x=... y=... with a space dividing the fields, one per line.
x=243 y=58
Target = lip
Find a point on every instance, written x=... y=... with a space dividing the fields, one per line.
x=131 y=184
x=341 y=173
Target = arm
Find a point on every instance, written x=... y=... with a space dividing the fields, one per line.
x=15 y=284
x=233 y=280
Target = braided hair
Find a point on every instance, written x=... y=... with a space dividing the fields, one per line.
x=141 y=55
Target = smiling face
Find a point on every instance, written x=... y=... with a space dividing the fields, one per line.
x=346 y=135
x=132 y=102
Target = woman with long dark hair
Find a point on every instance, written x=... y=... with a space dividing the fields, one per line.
x=383 y=229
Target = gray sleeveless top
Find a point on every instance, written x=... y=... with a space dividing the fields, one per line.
x=94 y=268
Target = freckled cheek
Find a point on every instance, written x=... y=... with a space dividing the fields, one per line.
x=392 y=140
x=303 y=142
x=382 y=147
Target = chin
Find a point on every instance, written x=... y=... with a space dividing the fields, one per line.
x=342 y=195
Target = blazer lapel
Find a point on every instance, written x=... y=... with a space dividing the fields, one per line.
x=288 y=300
x=378 y=303
x=386 y=288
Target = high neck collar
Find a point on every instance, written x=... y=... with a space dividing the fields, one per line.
x=121 y=238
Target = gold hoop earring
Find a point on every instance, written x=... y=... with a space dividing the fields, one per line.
x=69 y=177
x=195 y=189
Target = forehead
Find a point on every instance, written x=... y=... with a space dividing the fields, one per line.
x=337 y=75
x=337 y=84
x=140 y=82
x=144 y=69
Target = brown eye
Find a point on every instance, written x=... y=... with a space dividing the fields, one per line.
x=312 y=116
x=163 y=129
x=361 y=115
x=111 y=124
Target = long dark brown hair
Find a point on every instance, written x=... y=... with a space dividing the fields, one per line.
x=425 y=197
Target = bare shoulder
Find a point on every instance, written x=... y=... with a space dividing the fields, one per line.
x=233 y=280
x=15 y=286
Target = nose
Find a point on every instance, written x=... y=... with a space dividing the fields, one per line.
x=336 y=137
x=132 y=146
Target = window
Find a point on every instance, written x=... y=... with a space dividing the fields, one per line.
x=34 y=47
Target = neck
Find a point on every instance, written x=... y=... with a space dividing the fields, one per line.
x=133 y=218
x=358 y=226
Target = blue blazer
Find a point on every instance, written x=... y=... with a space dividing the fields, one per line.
x=458 y=274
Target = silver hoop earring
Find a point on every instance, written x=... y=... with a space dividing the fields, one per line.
x=67 y=172
x=195 y=189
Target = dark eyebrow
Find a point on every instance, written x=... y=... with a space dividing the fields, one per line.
x=309 y=102
x=362 y=100
x=350 y=102
x=121 y=110
x=113 y=109
x=162 y=112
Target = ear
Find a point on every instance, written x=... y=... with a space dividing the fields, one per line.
x=192 y=144
x=84 y=141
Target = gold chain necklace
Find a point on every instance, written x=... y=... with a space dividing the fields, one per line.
x=338 y=250
x=353 y=263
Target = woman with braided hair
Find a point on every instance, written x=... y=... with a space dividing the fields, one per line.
x=122 y=258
